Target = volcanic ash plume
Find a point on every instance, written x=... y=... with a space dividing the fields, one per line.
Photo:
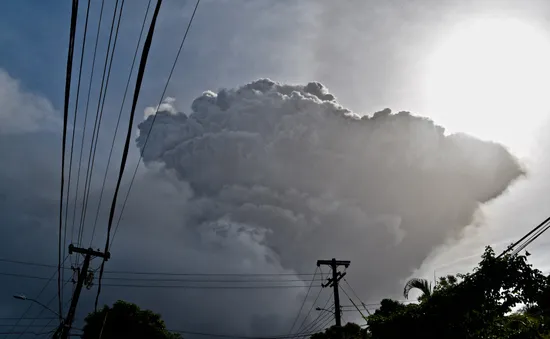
x=290 y=170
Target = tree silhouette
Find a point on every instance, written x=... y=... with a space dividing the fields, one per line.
x=481 y=304
x=348 y=331
x=125 y=320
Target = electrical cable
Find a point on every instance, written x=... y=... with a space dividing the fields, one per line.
x=29 y=326
x=310 y=309
x=240 y=336
x=29 y=263
x=532 y=238
x=139 y=79
x=354 y=310
x=48 y=324
x=539 y=226
x=318 y=318
x=22 y=275
x=85 y=121
x=207 y=280
x=98 y=117
x=31 y=333
x=207 y=287
x=352 y=290
x=532 y=235
x=212 y=274
x=354 y=305
x=154 y=118
x=119 y=116
x=70 y=53
x=356 y=296
x=25 y=263
x=27 y=318
x=72 y=137
x=27 y=310
x=40 y=313
x=101 y=113
x=324 y=325
x=303 y=302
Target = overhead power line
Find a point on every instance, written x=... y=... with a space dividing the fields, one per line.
x=120 y=114
x=27 y=318
x=27 y=310
x=213 y=274
x=303 y=303
x=30 y=263
x=229 y=284
x=352 y=290
x=208 y=280
x=320 y=317
x=73 y=135
x=219 y=335
x=85 y=127
x=24 y=332
x=139 y=80
x=312 y=304
x=70 y=53
x=208 y=287
x=354 y=310
x=309 y=311
x=155 y=116
x=27 y=326
x=40 y=314
x=49 y=322
x=517 y=246
x=324 y=325
x=355 y=306
x=99 y=113
x=529 y=234
x=23 y=275
x=356 y=296
x=232 y=283
x=532 y=237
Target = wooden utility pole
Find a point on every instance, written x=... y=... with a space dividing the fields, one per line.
x=333 y=282
x=63 y=330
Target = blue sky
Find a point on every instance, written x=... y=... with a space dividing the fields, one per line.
x=369 y=54
x=34 y=35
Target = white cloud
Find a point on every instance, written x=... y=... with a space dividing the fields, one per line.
x=22 y=111
x=167 y=105
x=285 y=172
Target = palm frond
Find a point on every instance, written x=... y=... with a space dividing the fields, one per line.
x=422 y=284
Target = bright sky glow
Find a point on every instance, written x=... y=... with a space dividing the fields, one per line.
x=491 y=78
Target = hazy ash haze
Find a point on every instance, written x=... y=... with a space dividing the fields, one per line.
x=274 y=146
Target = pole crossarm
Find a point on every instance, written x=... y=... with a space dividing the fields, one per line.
x=333 y=282
x=63 y=330
x=92 y=252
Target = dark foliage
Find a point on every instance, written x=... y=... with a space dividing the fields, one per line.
x=482 y=304
x=125 y=320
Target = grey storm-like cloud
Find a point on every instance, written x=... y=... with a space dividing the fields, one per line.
x=268 y=178
x=289 y=172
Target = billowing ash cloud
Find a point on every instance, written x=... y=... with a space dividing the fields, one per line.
x=23 y=111
x=286 y=172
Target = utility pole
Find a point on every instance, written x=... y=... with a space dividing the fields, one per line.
x=333 y=282
x=63 y=330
